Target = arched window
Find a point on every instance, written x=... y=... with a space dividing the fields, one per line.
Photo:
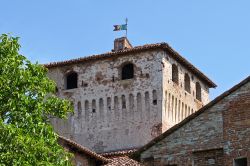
x=123 y=102
x=198 y=91
x=127 y=71
x=71 y=80
x=187 y=82
x=175 y=74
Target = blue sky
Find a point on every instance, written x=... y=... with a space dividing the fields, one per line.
x=213 y=35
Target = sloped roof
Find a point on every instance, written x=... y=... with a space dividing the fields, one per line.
x=123 y=161
x=189 y=118
x=164 y=46
x=84 y=150
x=118 y=153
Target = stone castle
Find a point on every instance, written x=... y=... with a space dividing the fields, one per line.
x=125 y=98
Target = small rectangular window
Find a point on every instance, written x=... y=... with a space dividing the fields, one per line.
x=240 y=162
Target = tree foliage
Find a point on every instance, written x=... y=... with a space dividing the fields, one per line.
x=26 y=103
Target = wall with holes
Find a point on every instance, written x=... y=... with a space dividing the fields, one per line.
x=181 y=96
x=111 y=113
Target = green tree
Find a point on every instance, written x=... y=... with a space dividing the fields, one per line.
x=27 y=101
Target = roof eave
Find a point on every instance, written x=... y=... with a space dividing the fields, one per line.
x=164 y=46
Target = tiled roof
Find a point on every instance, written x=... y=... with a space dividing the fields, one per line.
x=118 y=153
x=189 y=118
x=84 y=150
x=123 y=161
x=163 y=46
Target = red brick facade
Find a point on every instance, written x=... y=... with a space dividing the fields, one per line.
x=208 y=157
x=217 y=134
x=236 y=124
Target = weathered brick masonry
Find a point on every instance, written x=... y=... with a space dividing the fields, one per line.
x=217 y=134
x=236 y=123
x=125 y=98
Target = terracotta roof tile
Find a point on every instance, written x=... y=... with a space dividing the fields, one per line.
x=84 y=150
x=123 y=161
x=115 y=161
x=118 y=153
x=163 y=46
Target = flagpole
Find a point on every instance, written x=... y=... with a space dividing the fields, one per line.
x=126 y=20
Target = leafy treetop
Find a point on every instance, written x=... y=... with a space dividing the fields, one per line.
x=27 y=101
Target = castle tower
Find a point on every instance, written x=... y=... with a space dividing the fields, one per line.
x=125 y=98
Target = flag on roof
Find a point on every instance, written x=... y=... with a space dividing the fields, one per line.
x=120 y=27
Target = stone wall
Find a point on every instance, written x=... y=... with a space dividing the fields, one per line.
x=217 y=136
x=236 y=123
x=110 y=113
x=113 y=114
x=83 y=160
x=177 y=102
x=203 y=132
x=210 y=157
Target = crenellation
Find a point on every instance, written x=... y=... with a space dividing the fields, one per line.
x=125 y=97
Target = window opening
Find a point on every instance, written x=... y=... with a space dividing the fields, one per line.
x=187 y=82
x=198 y=91
x=123 y=102
x=127 y=71
x=240 y=162
x=71 y=80
x=175 y=74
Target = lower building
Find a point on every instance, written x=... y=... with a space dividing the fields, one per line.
x=217 y=134
x=83 y=156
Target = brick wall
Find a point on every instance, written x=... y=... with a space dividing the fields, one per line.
x=178 y=103
x=236 y=123
x=125 y=115
x=217 y=136
x=203 y=132
x=84 y=160
x=213 y=157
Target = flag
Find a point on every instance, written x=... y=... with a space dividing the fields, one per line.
x=120 y=27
